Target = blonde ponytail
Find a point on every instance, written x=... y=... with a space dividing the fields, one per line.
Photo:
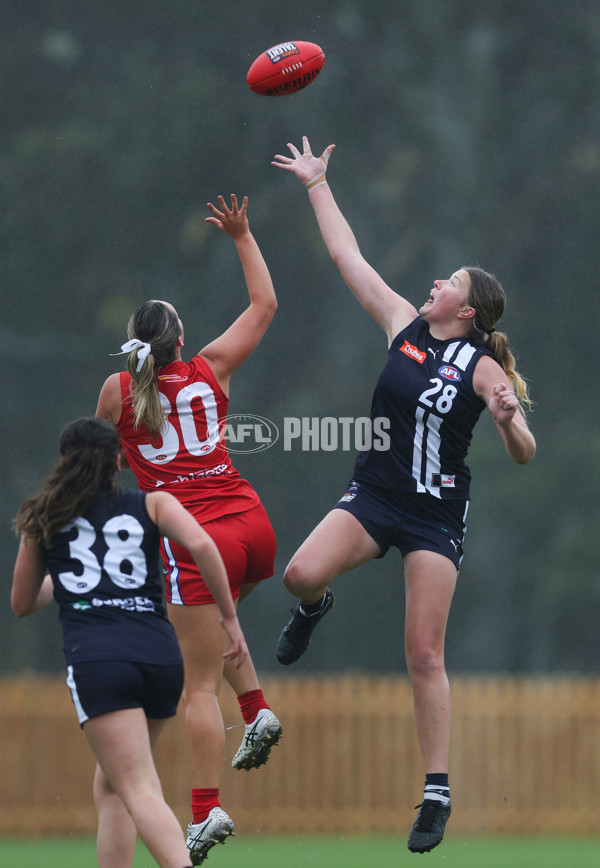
x=158 y=325
x=488 y=298
x=497 y=342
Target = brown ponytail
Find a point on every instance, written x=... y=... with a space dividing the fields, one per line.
x=89 y=449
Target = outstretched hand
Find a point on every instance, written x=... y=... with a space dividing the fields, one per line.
x=305 y=165
x=231 y=221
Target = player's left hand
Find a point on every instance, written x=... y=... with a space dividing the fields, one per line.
x=232 y=221
x=503 y=404
x=305 y=165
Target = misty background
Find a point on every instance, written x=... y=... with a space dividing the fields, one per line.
x=466 y=133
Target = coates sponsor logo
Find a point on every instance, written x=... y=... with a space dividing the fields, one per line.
x=413 y=352
x=171 y=378
x=282 y=52
x=449 y=372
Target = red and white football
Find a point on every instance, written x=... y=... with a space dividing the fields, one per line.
x=285 y=68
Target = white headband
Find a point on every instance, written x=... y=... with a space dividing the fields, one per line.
x=135 y=344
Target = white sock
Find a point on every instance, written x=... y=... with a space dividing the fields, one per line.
x=435 y=793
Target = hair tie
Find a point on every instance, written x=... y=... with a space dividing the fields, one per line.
x=135 y=344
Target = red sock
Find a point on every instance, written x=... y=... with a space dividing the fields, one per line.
x=251 y=703
x=203 y=801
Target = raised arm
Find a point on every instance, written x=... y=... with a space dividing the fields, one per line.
x=386 y=307
x=489 y=382
x=177 y=523
x=231 y=349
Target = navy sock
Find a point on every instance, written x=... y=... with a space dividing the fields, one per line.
x=437 y=780
x=312 y=608
x=437 y=788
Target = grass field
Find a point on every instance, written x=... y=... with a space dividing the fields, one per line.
x=304 y=852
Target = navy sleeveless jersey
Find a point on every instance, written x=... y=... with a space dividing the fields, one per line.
x=108 y=583
x=426 y=393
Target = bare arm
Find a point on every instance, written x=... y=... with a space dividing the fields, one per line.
x=489 y=382
x=110 y=405
x=177 y=523
x=386 y=307
x=109 y=401
x=231 y=349
x=32 y=589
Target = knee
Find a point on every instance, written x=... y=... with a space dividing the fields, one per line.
x=424 y=660
x=294 y=578
x=102 y=790
x=301 y=580
x=201 y=692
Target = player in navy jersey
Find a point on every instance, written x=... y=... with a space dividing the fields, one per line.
x=100 y=545
x=169 y=415
x=446 y=364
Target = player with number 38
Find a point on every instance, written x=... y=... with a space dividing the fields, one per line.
x=124 y=667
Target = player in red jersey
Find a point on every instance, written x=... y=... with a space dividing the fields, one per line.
x=169 y=414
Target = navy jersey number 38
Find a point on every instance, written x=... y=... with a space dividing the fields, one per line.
x=124 y=560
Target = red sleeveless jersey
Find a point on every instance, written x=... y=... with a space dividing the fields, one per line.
x=189 y=457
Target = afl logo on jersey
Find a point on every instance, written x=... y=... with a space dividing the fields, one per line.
x=450 y=373
x=413 y=352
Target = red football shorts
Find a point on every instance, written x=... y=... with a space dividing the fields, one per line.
x=246 y=542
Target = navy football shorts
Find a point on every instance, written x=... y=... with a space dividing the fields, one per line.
x=410 y=522
x=100 y=686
